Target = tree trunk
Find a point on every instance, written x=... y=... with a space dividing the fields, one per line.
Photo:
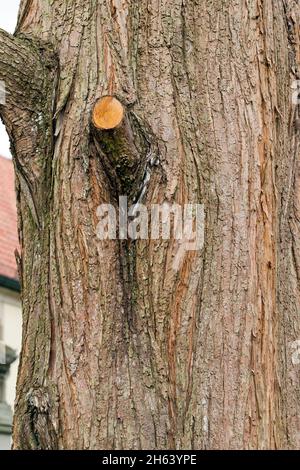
x=121 y=350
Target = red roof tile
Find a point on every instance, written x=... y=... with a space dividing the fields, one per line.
x=8 y=220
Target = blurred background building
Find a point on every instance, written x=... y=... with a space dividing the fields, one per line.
x=10 y=307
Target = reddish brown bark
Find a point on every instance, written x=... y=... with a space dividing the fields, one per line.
x=121 y=351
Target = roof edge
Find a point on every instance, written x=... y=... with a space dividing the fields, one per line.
x=9 y=283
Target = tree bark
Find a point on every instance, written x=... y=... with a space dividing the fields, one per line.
x=121 y=351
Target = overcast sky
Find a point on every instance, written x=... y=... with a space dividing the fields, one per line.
x=8 y=20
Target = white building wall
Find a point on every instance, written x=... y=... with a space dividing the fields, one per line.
x=11 y=320
x=5 y=442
